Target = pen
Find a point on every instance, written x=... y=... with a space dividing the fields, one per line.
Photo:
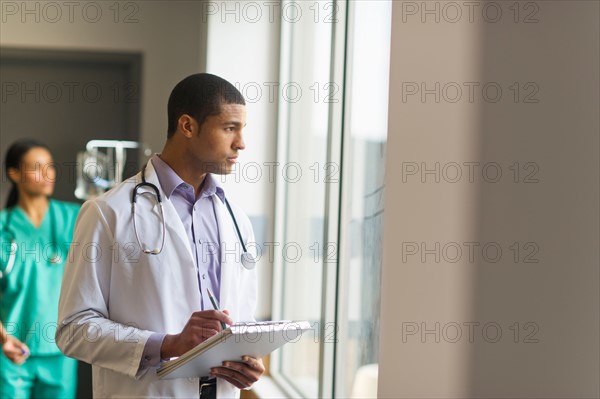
x=214 y=303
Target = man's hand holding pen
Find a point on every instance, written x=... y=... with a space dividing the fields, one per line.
x=200 y=326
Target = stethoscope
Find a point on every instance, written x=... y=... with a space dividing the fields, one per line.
x=247 y=259
x=55 y=258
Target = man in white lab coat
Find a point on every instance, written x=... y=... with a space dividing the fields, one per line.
x=130 y=300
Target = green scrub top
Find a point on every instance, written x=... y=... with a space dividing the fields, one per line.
x=29 y=293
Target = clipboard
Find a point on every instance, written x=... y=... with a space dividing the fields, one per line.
x=253 y=339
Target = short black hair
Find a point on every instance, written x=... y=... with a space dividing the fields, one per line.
x=199 y=96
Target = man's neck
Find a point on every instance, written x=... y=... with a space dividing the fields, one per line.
x=183 y=168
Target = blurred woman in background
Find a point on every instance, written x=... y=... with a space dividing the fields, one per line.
x=35 y=237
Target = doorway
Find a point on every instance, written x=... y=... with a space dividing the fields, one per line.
x=65 y=99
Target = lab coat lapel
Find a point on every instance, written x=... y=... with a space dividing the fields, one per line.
x=228 y=242
x=174 y=224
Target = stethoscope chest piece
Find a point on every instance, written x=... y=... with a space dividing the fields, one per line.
x=248 y=261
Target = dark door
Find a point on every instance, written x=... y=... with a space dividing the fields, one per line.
x=66 y=99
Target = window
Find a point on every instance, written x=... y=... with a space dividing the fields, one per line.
x=329 y=206
x=303 y=153
x=362 y=200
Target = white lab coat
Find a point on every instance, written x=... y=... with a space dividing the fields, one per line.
x=114 y=296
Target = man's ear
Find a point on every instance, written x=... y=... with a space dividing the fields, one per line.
x=187 y=125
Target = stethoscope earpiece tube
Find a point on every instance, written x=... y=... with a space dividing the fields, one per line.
x=134 y=195
x=237 y=229
x=11 y=258
x=247 y=259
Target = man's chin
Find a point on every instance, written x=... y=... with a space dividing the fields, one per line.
x=223 y=170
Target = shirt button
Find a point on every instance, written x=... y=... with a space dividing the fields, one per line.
x=204 y=277
x=147 y=358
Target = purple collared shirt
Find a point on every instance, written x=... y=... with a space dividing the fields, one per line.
x=199 y=220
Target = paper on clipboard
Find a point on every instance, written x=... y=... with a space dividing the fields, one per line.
x=252 y=339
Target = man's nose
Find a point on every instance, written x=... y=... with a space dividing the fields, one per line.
x=239 y=142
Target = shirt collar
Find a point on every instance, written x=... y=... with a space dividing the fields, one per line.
x=169 y=180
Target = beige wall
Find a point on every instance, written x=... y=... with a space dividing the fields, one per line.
x=169 y=35
x=551 y=129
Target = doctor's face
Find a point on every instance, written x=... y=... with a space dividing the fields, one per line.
x=216 y=146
